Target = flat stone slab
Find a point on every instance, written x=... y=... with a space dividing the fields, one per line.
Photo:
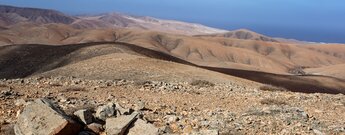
x=41 y=117
x=119 y=125
x=140 y=127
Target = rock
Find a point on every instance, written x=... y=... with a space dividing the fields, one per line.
x=8 y=94
x=122 y=110
x=6 y=129
x=110 y=97
x=84 y=116
x=41 y=117
x=19 y=102
x=95 y=127
x=18 y=113
x=317 y=132
x=206 y=132
x=118 y=126
x=174 y=127
x=140 y=127
x=139 y=106
x=106 y=111
x=188 y=129
x=62 y=99
x=171 y=118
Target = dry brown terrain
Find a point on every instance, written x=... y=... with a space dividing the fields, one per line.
x=273 y=57
x=219 y=82
x=242 y=34
x=334 y=70
x=271 y=60
x=229 y=108
x=101 y=61
x=13 y=15
x=107 y=60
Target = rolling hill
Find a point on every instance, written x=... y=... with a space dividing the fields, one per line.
x=273 y=57
x=242 y=34
x=116 y=60
x=240 y=53
x=10 y=15
x=117 y=20
x=333 y=70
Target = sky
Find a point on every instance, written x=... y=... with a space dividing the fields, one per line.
x=307 y=20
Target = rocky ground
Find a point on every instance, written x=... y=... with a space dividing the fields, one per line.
x=199 y=107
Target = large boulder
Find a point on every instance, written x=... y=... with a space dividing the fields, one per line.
x=106 y=111
x=140 y=127
x=119 y=125
x=41 y=117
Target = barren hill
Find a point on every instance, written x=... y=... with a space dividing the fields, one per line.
x=100 y=61
x=242 y=34
x=239 y=53
x=334 y=70
x=11 y=15
x=107 y=60
x=112 y=73
x=273 y=57
x=117 y=20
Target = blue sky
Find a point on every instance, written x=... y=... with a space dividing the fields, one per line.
x=310 y=20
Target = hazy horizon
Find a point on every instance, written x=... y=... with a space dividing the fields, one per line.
x=315 y=21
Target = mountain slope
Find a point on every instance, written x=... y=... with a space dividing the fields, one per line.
x=11 y=15
x=222 y=52
x=242 y=34
x=116 y=20
x=101 y=61
x=333 y=70
x=108 y=60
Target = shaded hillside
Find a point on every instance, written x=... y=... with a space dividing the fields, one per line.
x=220 y=52
x=305 y=84
x=20 y=61
x=120 y=60
x=103 y=60
x=11 y=15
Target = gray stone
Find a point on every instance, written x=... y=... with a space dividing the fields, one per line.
x=171 y=118
x=317 y=132
x=106 y=111
x=139 y=106
x=140 y=127
x=84 y=116
x=122 y=110
x=19 y=102
x=41 y=117
x=118 y=126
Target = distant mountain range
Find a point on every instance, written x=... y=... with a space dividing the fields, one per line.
x=11 y=15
